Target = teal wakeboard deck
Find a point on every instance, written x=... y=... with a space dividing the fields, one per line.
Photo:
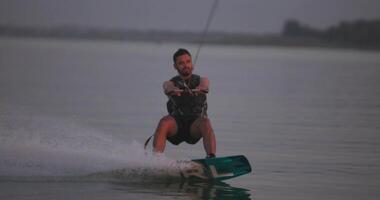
x=219 y=168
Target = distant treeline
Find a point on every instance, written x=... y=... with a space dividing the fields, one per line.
x=93 y=33
x=359 y=33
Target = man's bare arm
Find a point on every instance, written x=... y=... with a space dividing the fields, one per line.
x=171 y=89
x=204 y=85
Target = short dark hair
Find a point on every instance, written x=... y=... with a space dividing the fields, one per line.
x=180 y=52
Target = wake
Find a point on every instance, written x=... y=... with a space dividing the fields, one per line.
x=46 y=147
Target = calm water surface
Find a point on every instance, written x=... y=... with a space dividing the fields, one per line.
x=307 y=119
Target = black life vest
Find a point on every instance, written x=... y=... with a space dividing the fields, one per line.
x=187 y=105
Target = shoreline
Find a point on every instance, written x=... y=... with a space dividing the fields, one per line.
x=193 y=38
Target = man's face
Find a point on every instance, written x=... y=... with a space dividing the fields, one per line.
x=184 y=65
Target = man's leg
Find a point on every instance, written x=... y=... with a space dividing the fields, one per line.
x=166 y=127
x=202 y=128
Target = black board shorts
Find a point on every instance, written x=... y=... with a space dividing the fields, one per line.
x=183 y=131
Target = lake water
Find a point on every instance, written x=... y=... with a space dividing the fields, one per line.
x=307 y=119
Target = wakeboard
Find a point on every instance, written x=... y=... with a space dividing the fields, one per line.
x=218 y=168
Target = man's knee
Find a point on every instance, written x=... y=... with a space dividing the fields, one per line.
x=166 y=124
x=205 y=126
x=205 y=120
x=165 y=121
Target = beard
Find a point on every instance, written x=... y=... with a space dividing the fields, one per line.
x=185 y=72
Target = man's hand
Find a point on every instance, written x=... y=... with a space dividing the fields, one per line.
x=203 y=86
x=170 y=89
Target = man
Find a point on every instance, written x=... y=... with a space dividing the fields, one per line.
x=187 y=120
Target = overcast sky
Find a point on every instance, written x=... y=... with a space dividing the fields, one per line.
x=255 y=16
